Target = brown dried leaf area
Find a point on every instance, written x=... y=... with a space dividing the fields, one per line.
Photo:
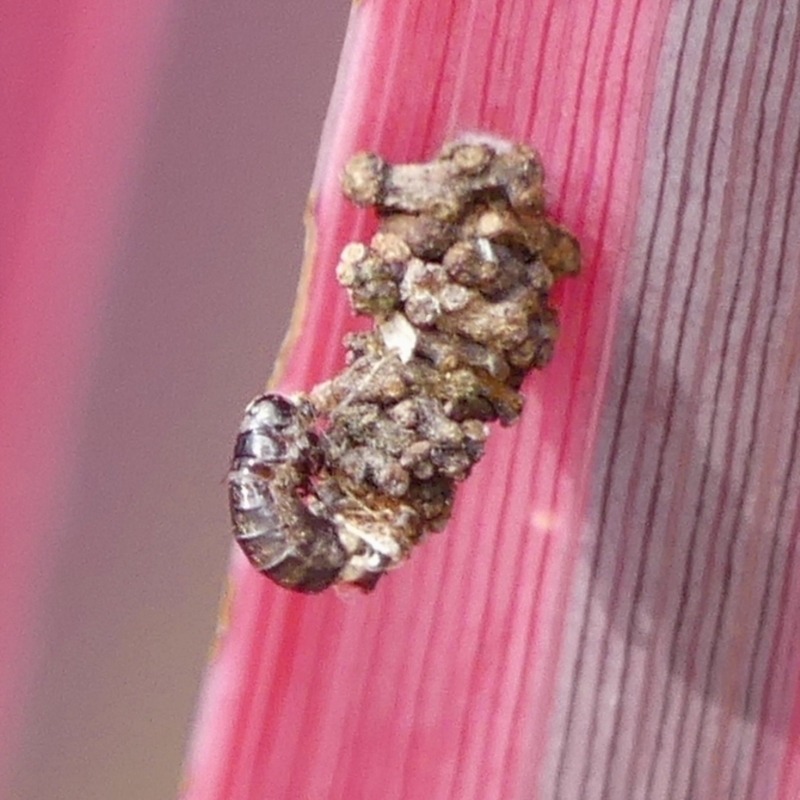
x=337 y=486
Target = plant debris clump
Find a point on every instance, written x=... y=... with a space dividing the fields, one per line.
x=337 y=486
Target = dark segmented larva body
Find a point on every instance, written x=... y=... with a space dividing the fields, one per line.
x=338 y=486
x=273 y=457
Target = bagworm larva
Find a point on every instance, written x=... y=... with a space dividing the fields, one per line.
x=337 y=486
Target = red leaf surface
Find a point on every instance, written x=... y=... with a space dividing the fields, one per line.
x=611 y=612
x=75 y=79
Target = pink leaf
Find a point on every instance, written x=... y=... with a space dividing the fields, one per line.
x=611 y=612
x=75 y=80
